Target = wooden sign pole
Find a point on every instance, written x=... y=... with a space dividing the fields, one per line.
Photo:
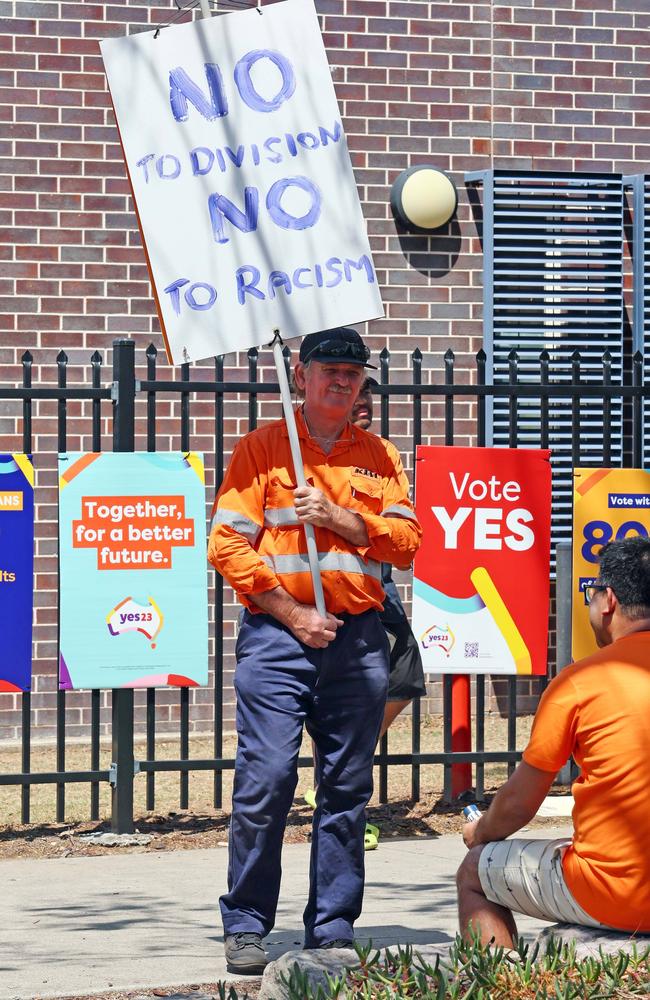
x=290 y=418
x=299 y=471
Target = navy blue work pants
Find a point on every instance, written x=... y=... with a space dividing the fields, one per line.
x=339 y=693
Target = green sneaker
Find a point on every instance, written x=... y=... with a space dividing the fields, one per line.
x=310 y=797
x=371 y=837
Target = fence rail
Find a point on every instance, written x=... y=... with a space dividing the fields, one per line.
x=124 y=390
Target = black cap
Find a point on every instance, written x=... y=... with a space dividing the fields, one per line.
x=342 y=344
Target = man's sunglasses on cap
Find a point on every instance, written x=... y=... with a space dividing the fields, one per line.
x=340 y=349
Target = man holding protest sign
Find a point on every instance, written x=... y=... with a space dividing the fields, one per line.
x=295 y=665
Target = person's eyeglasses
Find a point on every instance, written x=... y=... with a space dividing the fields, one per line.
x=592 y=589
x=340 y=349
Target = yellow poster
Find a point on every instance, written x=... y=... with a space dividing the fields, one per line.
x=607 y=504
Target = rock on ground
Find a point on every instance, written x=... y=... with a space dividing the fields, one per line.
x=320 y=963
x=180 y=996
x=589 y=941
x=117 y=839
x=317 y=965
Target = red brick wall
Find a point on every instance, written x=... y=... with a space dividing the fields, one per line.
x=539 y=84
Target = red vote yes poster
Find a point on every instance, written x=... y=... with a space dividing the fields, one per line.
x=481 y=576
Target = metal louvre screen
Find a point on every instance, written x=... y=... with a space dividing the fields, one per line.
x=554 y=246
x=640 y=187
x=642 y=331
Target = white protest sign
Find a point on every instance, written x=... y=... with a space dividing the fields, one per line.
x=242 y=179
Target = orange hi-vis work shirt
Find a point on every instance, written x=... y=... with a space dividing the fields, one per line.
x=257 y=542
x=599 y=710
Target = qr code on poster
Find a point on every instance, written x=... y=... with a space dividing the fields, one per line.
x=471 y=650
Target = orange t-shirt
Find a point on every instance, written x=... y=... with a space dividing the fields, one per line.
x=599 y=710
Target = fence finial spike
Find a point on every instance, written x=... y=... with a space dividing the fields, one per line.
x=449 y=355
x=576 y=357
x=27 y=358
x=62 y=358
x=151 y=352
x=481 y=356
x=96 y=358
x=384 y=354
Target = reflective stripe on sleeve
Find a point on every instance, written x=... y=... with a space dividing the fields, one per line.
x=275 y=517
x=398 y=508
x=238 y=522
x=346 y=562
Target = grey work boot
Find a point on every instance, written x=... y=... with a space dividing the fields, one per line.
x=245 y=953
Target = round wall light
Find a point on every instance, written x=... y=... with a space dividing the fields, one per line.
x=423 y=198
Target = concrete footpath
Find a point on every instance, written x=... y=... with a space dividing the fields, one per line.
x=75 y=926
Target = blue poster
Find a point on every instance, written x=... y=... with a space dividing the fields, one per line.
x=132 y=549
x=16 y=571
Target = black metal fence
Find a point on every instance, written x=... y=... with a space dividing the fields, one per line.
x=461 y=395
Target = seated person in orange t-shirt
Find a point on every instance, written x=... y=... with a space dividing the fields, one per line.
x=597 y=710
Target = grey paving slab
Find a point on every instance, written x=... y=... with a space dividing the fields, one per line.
x=87 y=925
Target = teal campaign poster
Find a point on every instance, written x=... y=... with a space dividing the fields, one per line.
x=16 y=571
x=134 y=602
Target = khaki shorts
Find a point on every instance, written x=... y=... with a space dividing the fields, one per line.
x=526 y=876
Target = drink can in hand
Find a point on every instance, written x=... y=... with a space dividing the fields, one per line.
x=471 y=813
